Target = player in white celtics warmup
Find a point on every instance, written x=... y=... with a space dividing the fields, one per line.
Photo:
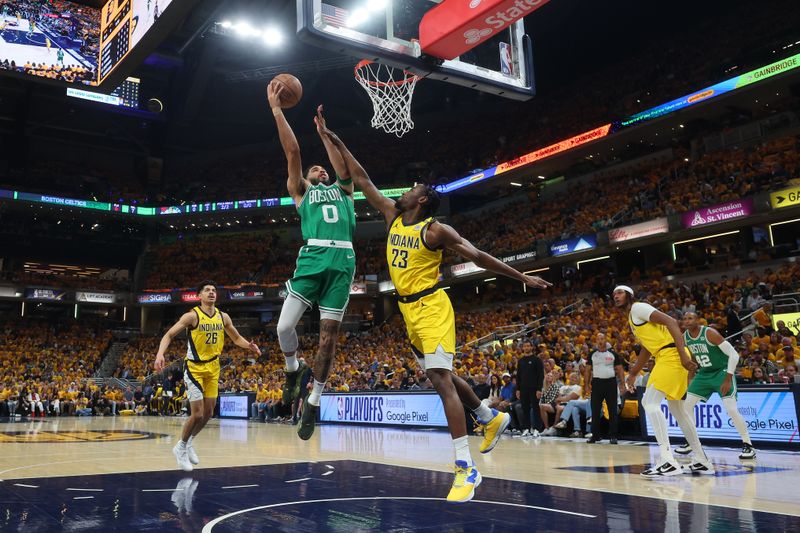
x=716 y=360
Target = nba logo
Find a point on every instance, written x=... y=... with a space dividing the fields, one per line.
x=340 y=408
x=506 y=65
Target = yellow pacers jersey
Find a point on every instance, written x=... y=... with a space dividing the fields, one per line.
x=413 y=266
x=652 y=336
x=207 y=339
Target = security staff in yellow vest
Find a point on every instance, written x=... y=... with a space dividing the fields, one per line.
x=206 y=327
x=661 y=338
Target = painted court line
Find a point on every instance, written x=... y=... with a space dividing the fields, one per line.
x=210 y=526
x=365 y=477
x=160 y=490
x=296 y=480
x=83 y=498
x=86 y=490
x=26 y=486
x=239 y=486
x=328 y=473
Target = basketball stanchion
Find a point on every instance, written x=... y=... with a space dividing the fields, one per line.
x=390 y=90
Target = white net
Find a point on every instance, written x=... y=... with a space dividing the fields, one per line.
x=391 y=90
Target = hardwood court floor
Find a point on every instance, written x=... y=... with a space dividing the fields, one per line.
x=100 y=474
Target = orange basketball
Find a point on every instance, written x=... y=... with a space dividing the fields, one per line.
x=292 y=92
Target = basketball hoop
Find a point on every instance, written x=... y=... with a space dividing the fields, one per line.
x=391 y=90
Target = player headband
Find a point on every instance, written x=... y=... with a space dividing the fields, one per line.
x=624 y=288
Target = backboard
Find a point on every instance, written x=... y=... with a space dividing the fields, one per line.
x=387 y=31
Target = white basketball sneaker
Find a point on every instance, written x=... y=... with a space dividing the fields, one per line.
x=192 y=455
x=182 y=457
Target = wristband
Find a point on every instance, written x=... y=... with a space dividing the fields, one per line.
x=277 y=111
x=345 y=181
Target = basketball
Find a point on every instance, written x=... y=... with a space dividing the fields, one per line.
x=293 y=90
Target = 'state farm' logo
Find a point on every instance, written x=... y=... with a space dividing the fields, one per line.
x=75 y=436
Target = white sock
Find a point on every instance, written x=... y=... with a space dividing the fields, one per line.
x=483 y=413
x=189 y=442
x=736 y=418
x=316 y=392
x=291 y=362
x=181 y=444
x=462 y=450
x=651 y=401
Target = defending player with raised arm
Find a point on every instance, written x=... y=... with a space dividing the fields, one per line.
x=206 y=327
x=325 y=264
x=661 y=338
x=414 y=254
x=716 y=359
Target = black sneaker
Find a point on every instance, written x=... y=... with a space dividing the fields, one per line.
x=291 y=388
x=307 y=421
x=683 y=450
x=612 y=440
x=747 y=452
x=700 y=467
x=665 y=469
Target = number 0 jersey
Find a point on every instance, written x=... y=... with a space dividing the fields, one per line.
x=206 y=340
x=413 y=266
x=327 y=213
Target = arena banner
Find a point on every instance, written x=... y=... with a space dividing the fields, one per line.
x=245 y=294
x=463 y=269
x=10 y=292
x=576 y=244
x=393 y=409
x=94 y=297
x=637 y=231
x=235 y=405
x=189 y=297
x=154 y=298
x=785 y=197
x=769 y=412
x=792 y=321
x=718 y=213
x=521 y=256
x=45 y=294
x=358 y=287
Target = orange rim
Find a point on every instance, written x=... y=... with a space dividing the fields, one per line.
x=365 y=62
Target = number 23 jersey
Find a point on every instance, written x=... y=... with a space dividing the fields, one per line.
x=413 y=266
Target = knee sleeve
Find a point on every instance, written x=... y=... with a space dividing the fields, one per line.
x=291 y=312
x=651 y=401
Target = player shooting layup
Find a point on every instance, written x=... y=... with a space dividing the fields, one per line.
x=206 y=327
x=414 y=253
x=325 y=265
x=717 y=360
x=661 y=338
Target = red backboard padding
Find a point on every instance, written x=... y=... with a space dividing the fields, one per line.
x=456 y=26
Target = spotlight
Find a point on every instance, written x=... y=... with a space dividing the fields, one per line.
x=358 y=17
x=377 y=5
x=227 y=24
x=272 y=36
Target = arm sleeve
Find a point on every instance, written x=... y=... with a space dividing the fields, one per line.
x=641 y=311
x=733 y=356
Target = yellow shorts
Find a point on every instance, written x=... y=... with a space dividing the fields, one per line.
x=668 y=374
x=431 y=325
x=202 y=380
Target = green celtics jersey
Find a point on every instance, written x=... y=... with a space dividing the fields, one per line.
x=710 y=358
x=327 y=213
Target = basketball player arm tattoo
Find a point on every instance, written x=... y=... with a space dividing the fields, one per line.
x=295 y=184
x=644 y=357
x=362 y=182
x=657 y=317
x=441 y=235
x=727 y=348
x=188 y=320
x=334 y=155
x=235 y=336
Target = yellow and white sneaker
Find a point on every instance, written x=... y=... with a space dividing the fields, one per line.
x=493 y=429
x=467 y=480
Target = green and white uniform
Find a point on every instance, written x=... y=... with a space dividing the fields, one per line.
x=326 y=264
x=712 y=366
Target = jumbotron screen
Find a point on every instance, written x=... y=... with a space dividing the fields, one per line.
x=71 y=42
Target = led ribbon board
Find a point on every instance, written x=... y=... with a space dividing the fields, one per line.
x=743 y=80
